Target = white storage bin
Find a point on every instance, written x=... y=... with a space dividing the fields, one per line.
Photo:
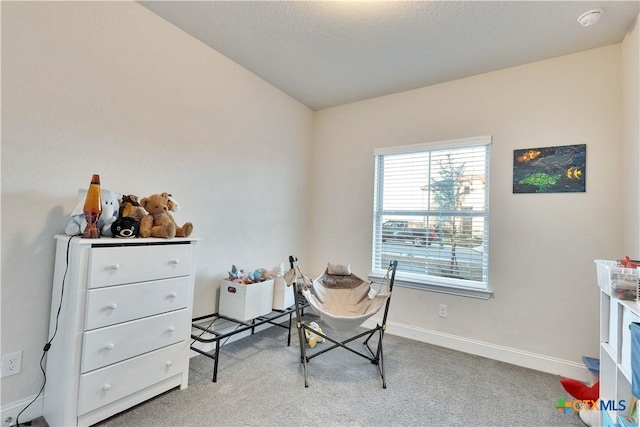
x=619 y=282
x=282 y=294
x=245 y=302
x=624 y=283
x=602 y=270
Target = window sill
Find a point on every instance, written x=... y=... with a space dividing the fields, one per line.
x=443 y=289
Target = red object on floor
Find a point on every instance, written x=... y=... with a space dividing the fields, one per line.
x=580 y=390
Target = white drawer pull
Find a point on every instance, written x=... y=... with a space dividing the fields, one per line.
x=169 y=363
x=109 y=346
x=173 y=295
x=112 y=306
x=174 y=261
x=115 y=267
x=171 y=329
x=106 y=387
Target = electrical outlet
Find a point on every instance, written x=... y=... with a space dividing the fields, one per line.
x=443 y=310
x=11 y=363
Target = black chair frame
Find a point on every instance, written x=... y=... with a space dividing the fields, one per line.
x=375 y=357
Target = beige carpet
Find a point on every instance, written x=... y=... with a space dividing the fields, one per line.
x=260 y=383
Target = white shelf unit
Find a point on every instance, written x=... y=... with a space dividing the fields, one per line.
x=616 y=317
x=124 y=325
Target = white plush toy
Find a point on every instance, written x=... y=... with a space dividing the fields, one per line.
x=312 y=337
x=589 y=416
x=110 y=207
x=174 y=206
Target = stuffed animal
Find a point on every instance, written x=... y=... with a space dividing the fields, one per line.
x=173 y=205
x=130 y=198
x=238 y=275
x=580 y=390
x=258 y=275
x=589 y=396
x=110 y=207
x=158 y=222
x=312 y=337
x=277 y=271
x=235 y=273
x=125 y=227
x=130 y=207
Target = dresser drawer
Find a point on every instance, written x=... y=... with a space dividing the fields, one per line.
x=106 y=385
x=105 y=346
x=117 y=265
x=117 y=304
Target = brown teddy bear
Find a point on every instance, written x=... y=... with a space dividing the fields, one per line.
x=159 y=222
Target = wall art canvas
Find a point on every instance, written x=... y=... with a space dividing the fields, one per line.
x=560 y=169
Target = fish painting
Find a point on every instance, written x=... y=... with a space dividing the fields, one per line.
x=556 y=169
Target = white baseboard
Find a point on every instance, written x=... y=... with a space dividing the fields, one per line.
x=13 y=409
x=513 y=356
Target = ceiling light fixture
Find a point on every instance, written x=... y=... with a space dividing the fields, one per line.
x=590 y=17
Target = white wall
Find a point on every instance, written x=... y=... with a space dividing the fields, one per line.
x=111 y=88
x=631 y=138
x=542 y=245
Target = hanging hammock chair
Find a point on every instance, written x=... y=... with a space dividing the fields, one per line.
x=344 y=302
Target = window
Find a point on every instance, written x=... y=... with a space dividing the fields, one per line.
x=431 y=213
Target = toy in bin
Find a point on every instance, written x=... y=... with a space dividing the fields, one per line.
x=246 y=295
x=624 y=280
x=619 y=278
x=629 y=263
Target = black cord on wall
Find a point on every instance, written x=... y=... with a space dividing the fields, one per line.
x=47 y=346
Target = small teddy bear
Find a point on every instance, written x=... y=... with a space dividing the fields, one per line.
x=158 y=222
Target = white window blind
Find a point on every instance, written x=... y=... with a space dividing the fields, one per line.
x=431 y=213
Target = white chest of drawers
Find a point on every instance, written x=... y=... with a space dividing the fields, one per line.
x=122 y=335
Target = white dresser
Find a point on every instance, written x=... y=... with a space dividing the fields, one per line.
x=124 y=325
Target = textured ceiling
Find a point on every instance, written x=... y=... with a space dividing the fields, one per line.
x=328 y=53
